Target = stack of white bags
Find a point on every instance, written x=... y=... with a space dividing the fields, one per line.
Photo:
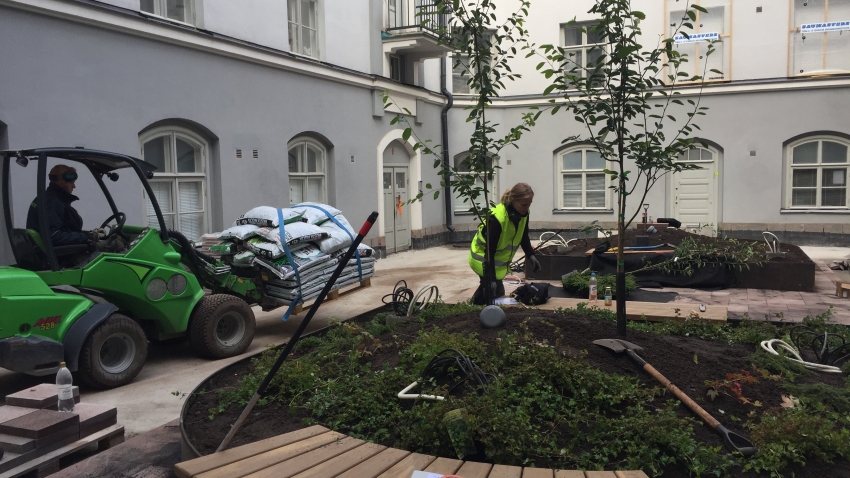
x=316 y=237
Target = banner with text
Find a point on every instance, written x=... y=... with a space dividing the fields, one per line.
x=824 y=27
x=696 y=37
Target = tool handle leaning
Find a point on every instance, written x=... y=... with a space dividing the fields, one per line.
x=706 y=417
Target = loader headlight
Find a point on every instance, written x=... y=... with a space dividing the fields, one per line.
x=156 y=289
x=177 y=284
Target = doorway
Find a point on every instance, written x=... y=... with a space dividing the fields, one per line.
x=695 y=192
x=396 y=210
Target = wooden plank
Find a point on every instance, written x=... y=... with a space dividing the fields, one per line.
x=271 y=457
x=190 y=468
x=651 y=311
x=537 y=473
x=446 y=466
x=341 y=463
x=296 y=465
x=630 y=474
x=376 y=465
x=408 y=465
x=569 y=474
x=600 y=474
x=472 y=469
x=53 y=457
x=505 y=471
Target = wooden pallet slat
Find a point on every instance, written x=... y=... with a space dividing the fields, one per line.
x=332 y=468
x=190 y=468
x=408 y=465
x=376 y=465
x=49 y=462
x=332 y=295
x=295 y=465
x=271 y=457
x=505 y=471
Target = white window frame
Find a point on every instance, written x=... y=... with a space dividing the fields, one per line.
x=305 y=176
x=296 y=23
x=460 y=72
x=460 y=207
x=174 y=178
x=160 y=10
x=723 y=48
x=822 y=38
x=584 y=171
x=819 y=166
x=584 y=47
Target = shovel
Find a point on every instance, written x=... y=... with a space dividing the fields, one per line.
x=732 y=440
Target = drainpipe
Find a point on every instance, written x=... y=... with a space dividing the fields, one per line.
x=444 y=124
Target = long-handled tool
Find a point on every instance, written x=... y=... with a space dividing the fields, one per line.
x=732 y=440
x=300 y=330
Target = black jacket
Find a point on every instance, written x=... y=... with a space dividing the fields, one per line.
x=494 y=231
x=65 y=223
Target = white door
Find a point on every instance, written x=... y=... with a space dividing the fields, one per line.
x=695 y=192
x=396 y=211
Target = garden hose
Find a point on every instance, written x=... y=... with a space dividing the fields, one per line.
x=405 y=303
x=820 y=344
x=416 y=305
x=768 y=346
x=442 y=365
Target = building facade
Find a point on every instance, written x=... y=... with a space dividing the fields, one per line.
x=272 y=102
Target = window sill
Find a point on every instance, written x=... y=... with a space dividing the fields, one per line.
x=814 y=211
x=582 y=211
x=154 y=16
x=464 y=213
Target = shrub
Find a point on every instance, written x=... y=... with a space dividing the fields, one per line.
x=578 y=283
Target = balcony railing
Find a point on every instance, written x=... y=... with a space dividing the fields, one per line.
x=413 y=15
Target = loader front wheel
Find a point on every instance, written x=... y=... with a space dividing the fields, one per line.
x=221 y=326
x=114 y=353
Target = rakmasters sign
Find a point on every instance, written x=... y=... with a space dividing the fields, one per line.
x=696 y=37
x=824 y=27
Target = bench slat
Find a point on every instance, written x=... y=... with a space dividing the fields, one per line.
x=630 y=474
x=337 y=465
x=537 y=473
x=188 y=469
x=446 y=466
x=569 y=474
x=408 y=465
x=600 y=474
x=376 y=465
x=308 y=460
x=471 y=469
x=505 y=471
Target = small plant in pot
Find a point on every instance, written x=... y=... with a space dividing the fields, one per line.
x=577 y=283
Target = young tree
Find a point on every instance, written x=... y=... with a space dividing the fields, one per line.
x=482 y=49
x=625 y=97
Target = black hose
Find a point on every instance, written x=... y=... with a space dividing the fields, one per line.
x=400 y=298
x=468 y=372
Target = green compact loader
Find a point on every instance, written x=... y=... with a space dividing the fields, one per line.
x=96 y=305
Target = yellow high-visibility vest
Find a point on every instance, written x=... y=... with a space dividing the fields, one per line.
x=508 y=244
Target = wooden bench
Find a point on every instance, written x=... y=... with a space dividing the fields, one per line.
x=317 y=452
x=651 y=311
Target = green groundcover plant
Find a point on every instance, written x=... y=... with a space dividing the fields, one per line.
x=545 y=406
x=578 y=283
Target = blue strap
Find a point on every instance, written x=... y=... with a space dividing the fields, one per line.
x=332 y=218
x=291 y=262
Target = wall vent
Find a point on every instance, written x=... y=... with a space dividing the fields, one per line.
x=256 y=154
x=238 y=154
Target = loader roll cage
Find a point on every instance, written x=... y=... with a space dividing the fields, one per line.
x=99 y=163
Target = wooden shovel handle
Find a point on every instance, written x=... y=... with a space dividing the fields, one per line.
x=708 y=419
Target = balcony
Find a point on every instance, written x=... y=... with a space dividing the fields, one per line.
x=410 y=30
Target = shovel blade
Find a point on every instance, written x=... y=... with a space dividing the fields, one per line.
x=617 y=345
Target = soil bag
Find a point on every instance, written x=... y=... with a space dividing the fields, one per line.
x=266 y=216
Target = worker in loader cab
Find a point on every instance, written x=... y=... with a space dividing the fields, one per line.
x=66 y=225
x=506 y=232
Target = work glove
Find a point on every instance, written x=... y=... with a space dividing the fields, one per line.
x=534 y=263
x=93 y=237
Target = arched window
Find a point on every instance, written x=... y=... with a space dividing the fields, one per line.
x=581 y=182
x=817 y=173
x=180 y=181
x=304 y=27
x=307 y=171
x=462 y=167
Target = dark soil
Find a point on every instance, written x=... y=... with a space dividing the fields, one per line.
x=671 y=236
x=687 y=362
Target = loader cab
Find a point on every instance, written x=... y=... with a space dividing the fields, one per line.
x=33 y=249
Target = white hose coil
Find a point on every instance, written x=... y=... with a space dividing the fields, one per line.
x=767 y=345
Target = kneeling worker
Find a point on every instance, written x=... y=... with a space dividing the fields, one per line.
x=506 y=232
x=66 y=225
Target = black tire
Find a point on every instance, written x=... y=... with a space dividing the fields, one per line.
x=221 y=326
x=114 y=353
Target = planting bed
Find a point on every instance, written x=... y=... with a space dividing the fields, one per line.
x=687 y=361
x=793 y=271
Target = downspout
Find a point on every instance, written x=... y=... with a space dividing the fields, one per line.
x=444 y=124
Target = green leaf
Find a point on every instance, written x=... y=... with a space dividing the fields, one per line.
x=406 y=134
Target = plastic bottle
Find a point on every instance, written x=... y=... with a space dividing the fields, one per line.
x=592 y=286
x=64 y=385
x=608 y=297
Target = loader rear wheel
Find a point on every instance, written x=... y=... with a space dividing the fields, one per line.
x=114 y=353
x=221 y=326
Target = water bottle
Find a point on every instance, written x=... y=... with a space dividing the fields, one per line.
x=608 y=297
x=592 y=286
x=64 y=383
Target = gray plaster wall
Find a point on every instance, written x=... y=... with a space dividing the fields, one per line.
x=103 y=88
x=751 y=187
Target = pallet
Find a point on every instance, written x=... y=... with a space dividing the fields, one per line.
x=842 y=289
x=332 y=295
x=651 y=311
x=51 y=462
x=317 y=452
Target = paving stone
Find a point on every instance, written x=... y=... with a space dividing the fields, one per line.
x=43 y=395
x=10 y=412
x=11 y=443
x=94 y=418
x=41 y=423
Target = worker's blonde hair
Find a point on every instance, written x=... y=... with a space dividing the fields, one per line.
x=519 y=192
